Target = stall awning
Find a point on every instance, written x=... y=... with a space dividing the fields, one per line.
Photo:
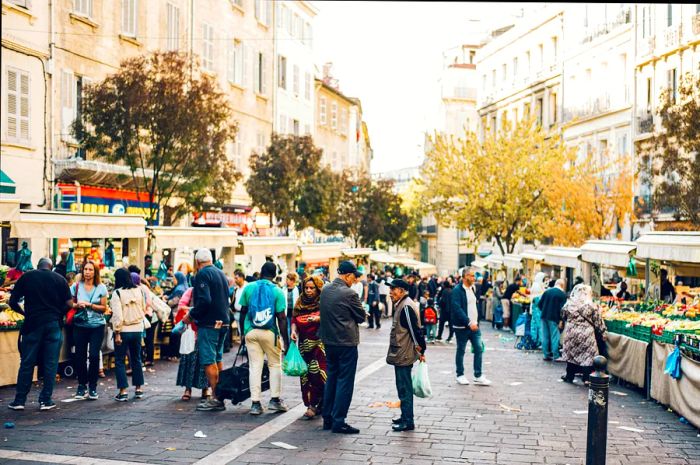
x=194 y=238
x=380 y=256
x=494 y=261
x=9 y=208
x=512 y=261
x=562 y=256
x=423 y=268
x=321 y=252
x=269 y=245
x=357 y=252
x=611 y=253
x=479 y=263
x=7 y=185
x=52 y=225
x=536 y=255
x=669 y=246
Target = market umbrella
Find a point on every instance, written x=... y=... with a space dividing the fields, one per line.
x=70 y=262
x=24 y=262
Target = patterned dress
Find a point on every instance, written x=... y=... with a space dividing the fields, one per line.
x=314 y=354
x=579 y=344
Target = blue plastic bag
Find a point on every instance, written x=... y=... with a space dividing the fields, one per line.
x=673 y=364
x=421 y=381
x=293 y=363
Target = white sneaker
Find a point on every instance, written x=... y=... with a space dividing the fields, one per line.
x=462 y=380
x=482 y=381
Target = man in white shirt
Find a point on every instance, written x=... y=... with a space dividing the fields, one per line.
x=239 y=280
x=465 y=321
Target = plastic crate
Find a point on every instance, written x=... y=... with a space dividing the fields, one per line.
x=640 y=333
x=665 y=338
x=615 y=326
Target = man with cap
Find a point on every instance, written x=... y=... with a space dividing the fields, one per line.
x=263 y=313
x=406 y=345
x=341 y=313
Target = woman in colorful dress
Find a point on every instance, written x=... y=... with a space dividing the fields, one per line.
x=306 y=320
x=190 y=373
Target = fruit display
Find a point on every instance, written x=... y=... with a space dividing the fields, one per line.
x=523 y=296
x=662 y=318
x=9 y=319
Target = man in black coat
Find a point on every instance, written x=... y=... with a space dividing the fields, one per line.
x=551 y=303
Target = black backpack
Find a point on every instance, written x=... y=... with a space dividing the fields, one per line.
x=234 y=382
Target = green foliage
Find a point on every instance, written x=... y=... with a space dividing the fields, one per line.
x=169 y=128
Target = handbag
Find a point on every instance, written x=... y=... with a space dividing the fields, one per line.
x=599 y=341
x=234 y=382
x=71 y=312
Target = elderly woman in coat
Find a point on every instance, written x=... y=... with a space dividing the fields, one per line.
x=582 y=318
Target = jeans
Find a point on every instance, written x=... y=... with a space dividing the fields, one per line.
x=550 y=339
x=83 y=338
x=431 y=330
x=404 y=387
x=341 y=365
x=464 y=335
x=132 y=343
x=45 y=341
x=375 y=317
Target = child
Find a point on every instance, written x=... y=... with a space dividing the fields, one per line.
x=431 y=319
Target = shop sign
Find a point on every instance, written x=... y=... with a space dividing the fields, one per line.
x=103 y=200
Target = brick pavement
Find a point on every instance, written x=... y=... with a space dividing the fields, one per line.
x=507 y=423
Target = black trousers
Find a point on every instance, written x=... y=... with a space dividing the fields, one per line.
x=85 y=337
x=149 y=349
x=444 y=319
x=383 y=298
x=341 y=363
x=404 y=387
x=375 y=317
x=572 y=369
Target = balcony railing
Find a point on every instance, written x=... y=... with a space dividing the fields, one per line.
x=591 y=108
x=624 y=17
x=645 y=123
x=673 y=36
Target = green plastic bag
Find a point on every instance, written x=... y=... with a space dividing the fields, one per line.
x=421 y=382
x=293 y=363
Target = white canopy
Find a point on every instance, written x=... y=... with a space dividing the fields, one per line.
x=668 y=246
x=9 y=208
x=562 y=256
x=536 y=255
x=380 y=256
x=512 y=261
x=479 y=263
x=173 y=238
x=612 y=253
x=423 y=268
x=53 y=225
x=320 y=252
x=269 y=245
x=494 y=261
x=357 y=252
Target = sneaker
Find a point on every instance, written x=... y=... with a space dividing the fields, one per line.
x=14 y=405
x=121 y=397
x=138 y=395
x=481 y=381
x=47 y=405
x=345 y=429
x=92 y=395
x=256 y=408
x=81 y=393
x=462 y=380
x=211 y=405
x=277 y=405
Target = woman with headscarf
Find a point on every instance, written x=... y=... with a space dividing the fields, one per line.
x=128 y=305
x=190 y=373
x=582 y=318
x=306 y=320
x=173 y=352
x=536 y=291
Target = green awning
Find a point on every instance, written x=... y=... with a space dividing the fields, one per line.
x=7 y=185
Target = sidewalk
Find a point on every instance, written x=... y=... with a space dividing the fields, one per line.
x=526 y=416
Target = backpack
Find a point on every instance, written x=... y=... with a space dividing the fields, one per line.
x=430 y=316
x=261 y=307
x=132 y=306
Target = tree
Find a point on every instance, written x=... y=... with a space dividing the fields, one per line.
x=171 y=129
x=496 y=189
x=670 y=160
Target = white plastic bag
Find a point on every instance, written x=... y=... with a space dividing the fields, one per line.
x=187 y=341
x=421 y=381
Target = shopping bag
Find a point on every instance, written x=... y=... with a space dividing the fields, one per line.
x=673 y=364
x=421 y=382
x=520 y=325
x=187 y=341
x=293 y=363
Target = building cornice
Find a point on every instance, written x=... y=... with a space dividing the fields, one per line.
x=21 y=48
x=530 y=89
x=663 y=56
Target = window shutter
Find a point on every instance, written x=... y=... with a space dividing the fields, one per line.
x=268 y=13
x=263 y=74
x=246 y=65
x=67 y=103
x=24 y=106
x=12 y=113
x=230 y=68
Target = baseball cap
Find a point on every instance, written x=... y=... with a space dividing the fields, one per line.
x=400 y=283
x=348 y=267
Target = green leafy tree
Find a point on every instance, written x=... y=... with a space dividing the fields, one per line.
x=168 y=126
x=670 y=160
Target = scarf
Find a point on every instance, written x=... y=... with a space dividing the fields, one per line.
x=581 y=296
x=306 y=304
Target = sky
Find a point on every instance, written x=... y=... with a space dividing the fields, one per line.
x=389 y=55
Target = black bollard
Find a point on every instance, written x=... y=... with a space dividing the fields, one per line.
x=596 y=442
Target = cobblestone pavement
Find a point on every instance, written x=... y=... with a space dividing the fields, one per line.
x=526 y=416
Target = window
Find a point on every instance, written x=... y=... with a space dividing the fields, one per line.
x=504 y=72
x=260 y=76
x=494 y=124
x=553 y=116
x=669 y=15
x=307 y=86
x=282 y=11
x=295 y=23
x=235 y=62
x=334 y=115
x=282 y=71
x=539 y=109
x=295 y=126
x=300 y=28
x=528 y=62
x=515 y=117
x=307 y=130
x=207 y=47
x=129 y=18
x=622 y=145
x=22 y=3
x=261 y=142
x=540 y=56
x=644 y=22
x=263 y=11
x=307 y=34
x=483 y=82
x=515 y=68
x=83 y=7
x=17 y=105
x=526 y=110
x=343 y=121
x=673 y=83
x=288 y=21
x=555 y=49
x=322 y=110
x=238 y=3
x=472 y=55
x=283 y=124
x=295 y=80
x=68 y=103
x=649 y=95
x=493 y=78
x=173 y=25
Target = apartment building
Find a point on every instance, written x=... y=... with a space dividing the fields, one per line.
x=666 y=47
x=293 y=66
x=520 y=68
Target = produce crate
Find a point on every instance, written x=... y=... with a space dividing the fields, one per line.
x=638 y=332
x=668 y=336
x=615 y=326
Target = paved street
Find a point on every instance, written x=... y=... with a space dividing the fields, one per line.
x=527 y=416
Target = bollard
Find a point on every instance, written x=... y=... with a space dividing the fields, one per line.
x=596 y=442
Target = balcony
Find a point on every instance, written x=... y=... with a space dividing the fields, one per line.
x=645 y=123
x=593 y=107
x=696 y=24
x=624 y=17
x=673 y=36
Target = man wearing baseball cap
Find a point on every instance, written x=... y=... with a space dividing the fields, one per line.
x=406 y=345
x=341 y=312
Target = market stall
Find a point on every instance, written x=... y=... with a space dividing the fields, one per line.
x=10 y=324
x=252 y=252
x=480 y=264
x=223 y=241
x=326 y=255
x=532 y=262
x=513 y=264
x=360 y=255
x=565 y=263
x=494 y=263
x=605 y=260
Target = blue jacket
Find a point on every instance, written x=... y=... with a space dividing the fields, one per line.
x=458 y=310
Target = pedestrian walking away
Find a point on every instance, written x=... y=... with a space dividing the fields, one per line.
x=210 y=312
x=305 y=324
x=444 y=303
x=550 y=304
x=375 y=314
x=341 y=313
x=263 y=312
x=406 y=345
x=46 y=300
x=465 y=322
